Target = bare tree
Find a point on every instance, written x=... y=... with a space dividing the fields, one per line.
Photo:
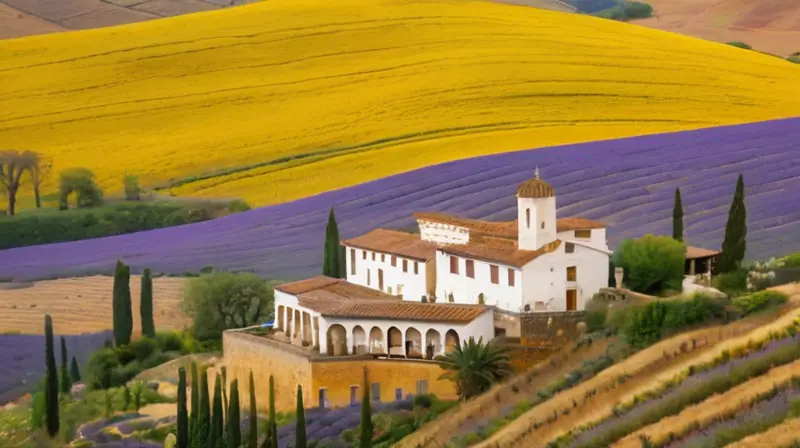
x=39 y=170
x=12 y=165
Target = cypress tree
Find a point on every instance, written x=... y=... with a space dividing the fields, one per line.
x=252 y=439
x=735 y=243
x=116 y=304
x=195 y=401
x=201 y=431
x=51 y=386
x=365 y=441
x=224 y=371
x=65 y=383
x=183 y=418
x=146 y=305
x=74 y=373
x=332 y=248
x=234 y=431
x=217 y=421
x=300 y=431
x=121 y=310
x=273 y=423
x=125 y=289
x=677 y=217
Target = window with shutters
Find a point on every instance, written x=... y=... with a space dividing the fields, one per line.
x=583 y=234
x=569 y=248
x=416 y=267
x=394 y=260
x=572 y=273
x=470 y=269
x=495 y=274
x=510 y=277
x=405 y=265
x=352 y=262
x=453 y=265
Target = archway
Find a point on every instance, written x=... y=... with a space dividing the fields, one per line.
x=281 y=325
x=433 y=344
x=376 y=343
x=337 y=340
x=413 y=348
x=451 y=341
x=395 y=342
x=289 y=323
x=360 y=340
x=296 y=325
x=307 y=330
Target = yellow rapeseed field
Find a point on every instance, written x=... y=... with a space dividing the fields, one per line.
x=315 y=95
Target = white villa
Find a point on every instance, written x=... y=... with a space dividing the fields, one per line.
x=415 y=295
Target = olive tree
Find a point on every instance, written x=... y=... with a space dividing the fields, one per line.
x=224 y=300
x=653 y=264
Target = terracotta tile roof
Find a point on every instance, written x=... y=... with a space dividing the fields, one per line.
x=499 y=250
x=418 y=311
x=394 y=242
x=698 y=252
x=567 y=224
x=504 y=229
x=535 y=188
x=339 y=298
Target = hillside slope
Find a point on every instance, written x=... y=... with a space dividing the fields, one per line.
x=322 y=95
x=768 y=25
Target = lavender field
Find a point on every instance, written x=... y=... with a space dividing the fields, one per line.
x=628 y=184
x=22 y=359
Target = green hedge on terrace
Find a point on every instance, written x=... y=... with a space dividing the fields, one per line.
x=54 y=226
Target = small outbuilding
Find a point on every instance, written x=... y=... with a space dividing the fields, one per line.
x=700 y=261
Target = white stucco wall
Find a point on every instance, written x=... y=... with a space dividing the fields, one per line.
x=545 y=278
x=542 y=211
x=442 y=233
x=483 y=326
x=598 y=238
x=413 y=285
x=466 y=290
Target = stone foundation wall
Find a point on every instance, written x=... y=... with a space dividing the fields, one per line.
x=554 y=329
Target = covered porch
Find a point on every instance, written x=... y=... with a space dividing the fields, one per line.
x=700 y=263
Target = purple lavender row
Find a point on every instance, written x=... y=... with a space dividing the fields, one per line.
x=627 y=183
x=765 y=413
x=685 y=385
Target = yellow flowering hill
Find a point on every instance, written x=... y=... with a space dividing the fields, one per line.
x=288 y=98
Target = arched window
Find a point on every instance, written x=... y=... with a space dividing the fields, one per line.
x=528 y=218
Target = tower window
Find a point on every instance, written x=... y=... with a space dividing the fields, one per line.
x=583 y=234
x=528 y=218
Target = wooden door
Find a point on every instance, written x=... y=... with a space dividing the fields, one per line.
x=380 y=279
x=572 y=299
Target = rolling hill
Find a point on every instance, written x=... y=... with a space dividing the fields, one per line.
x=286 y=99
x=628 y=183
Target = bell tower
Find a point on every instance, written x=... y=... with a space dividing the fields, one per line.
x=536 y=213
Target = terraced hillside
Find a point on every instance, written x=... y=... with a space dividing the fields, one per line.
x=83 y=305
x=629 y=184
x=297 y=97
x=710 y=387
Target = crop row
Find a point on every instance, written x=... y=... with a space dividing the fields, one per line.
x=723 y=374
x=628 y=183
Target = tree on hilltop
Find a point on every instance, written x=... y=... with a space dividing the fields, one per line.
x=65 y=384
x=39 y=170
x=81 y=182
x=121 y=305
x=146 y=305
x=12 y=165
x=677 y=217
x=734 y=245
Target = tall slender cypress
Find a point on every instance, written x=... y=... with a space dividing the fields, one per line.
x=734 y=245
x=195 y=401
x=332 y=254
x=252 y=438
x=234 y=428
x=74 y=372
x=217 y=421
x=273 y=423
x=117 y=307
x=224 y=371
x=300 y=428
x=51 y=386
x=365 y=440
x=677 y=217
x=146 y=305
x=127 y=314
x=201 y=431
x=183 y=417
x=65 y=383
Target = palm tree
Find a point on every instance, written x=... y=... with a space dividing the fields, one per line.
x=475 y=366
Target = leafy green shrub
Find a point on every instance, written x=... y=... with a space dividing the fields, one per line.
x=731 y=283
x=143 y=348
x=47 y=226
x=652 y=263
x=645 y=325
x=423 y=401
x=793 y=260
x=739 y=44
x=237 y=206
x=759 y=301
x=794 y=59
x=638 y=10
x=169 y=341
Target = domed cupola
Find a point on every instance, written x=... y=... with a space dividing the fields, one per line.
x=536 y=213
x=535 y=188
